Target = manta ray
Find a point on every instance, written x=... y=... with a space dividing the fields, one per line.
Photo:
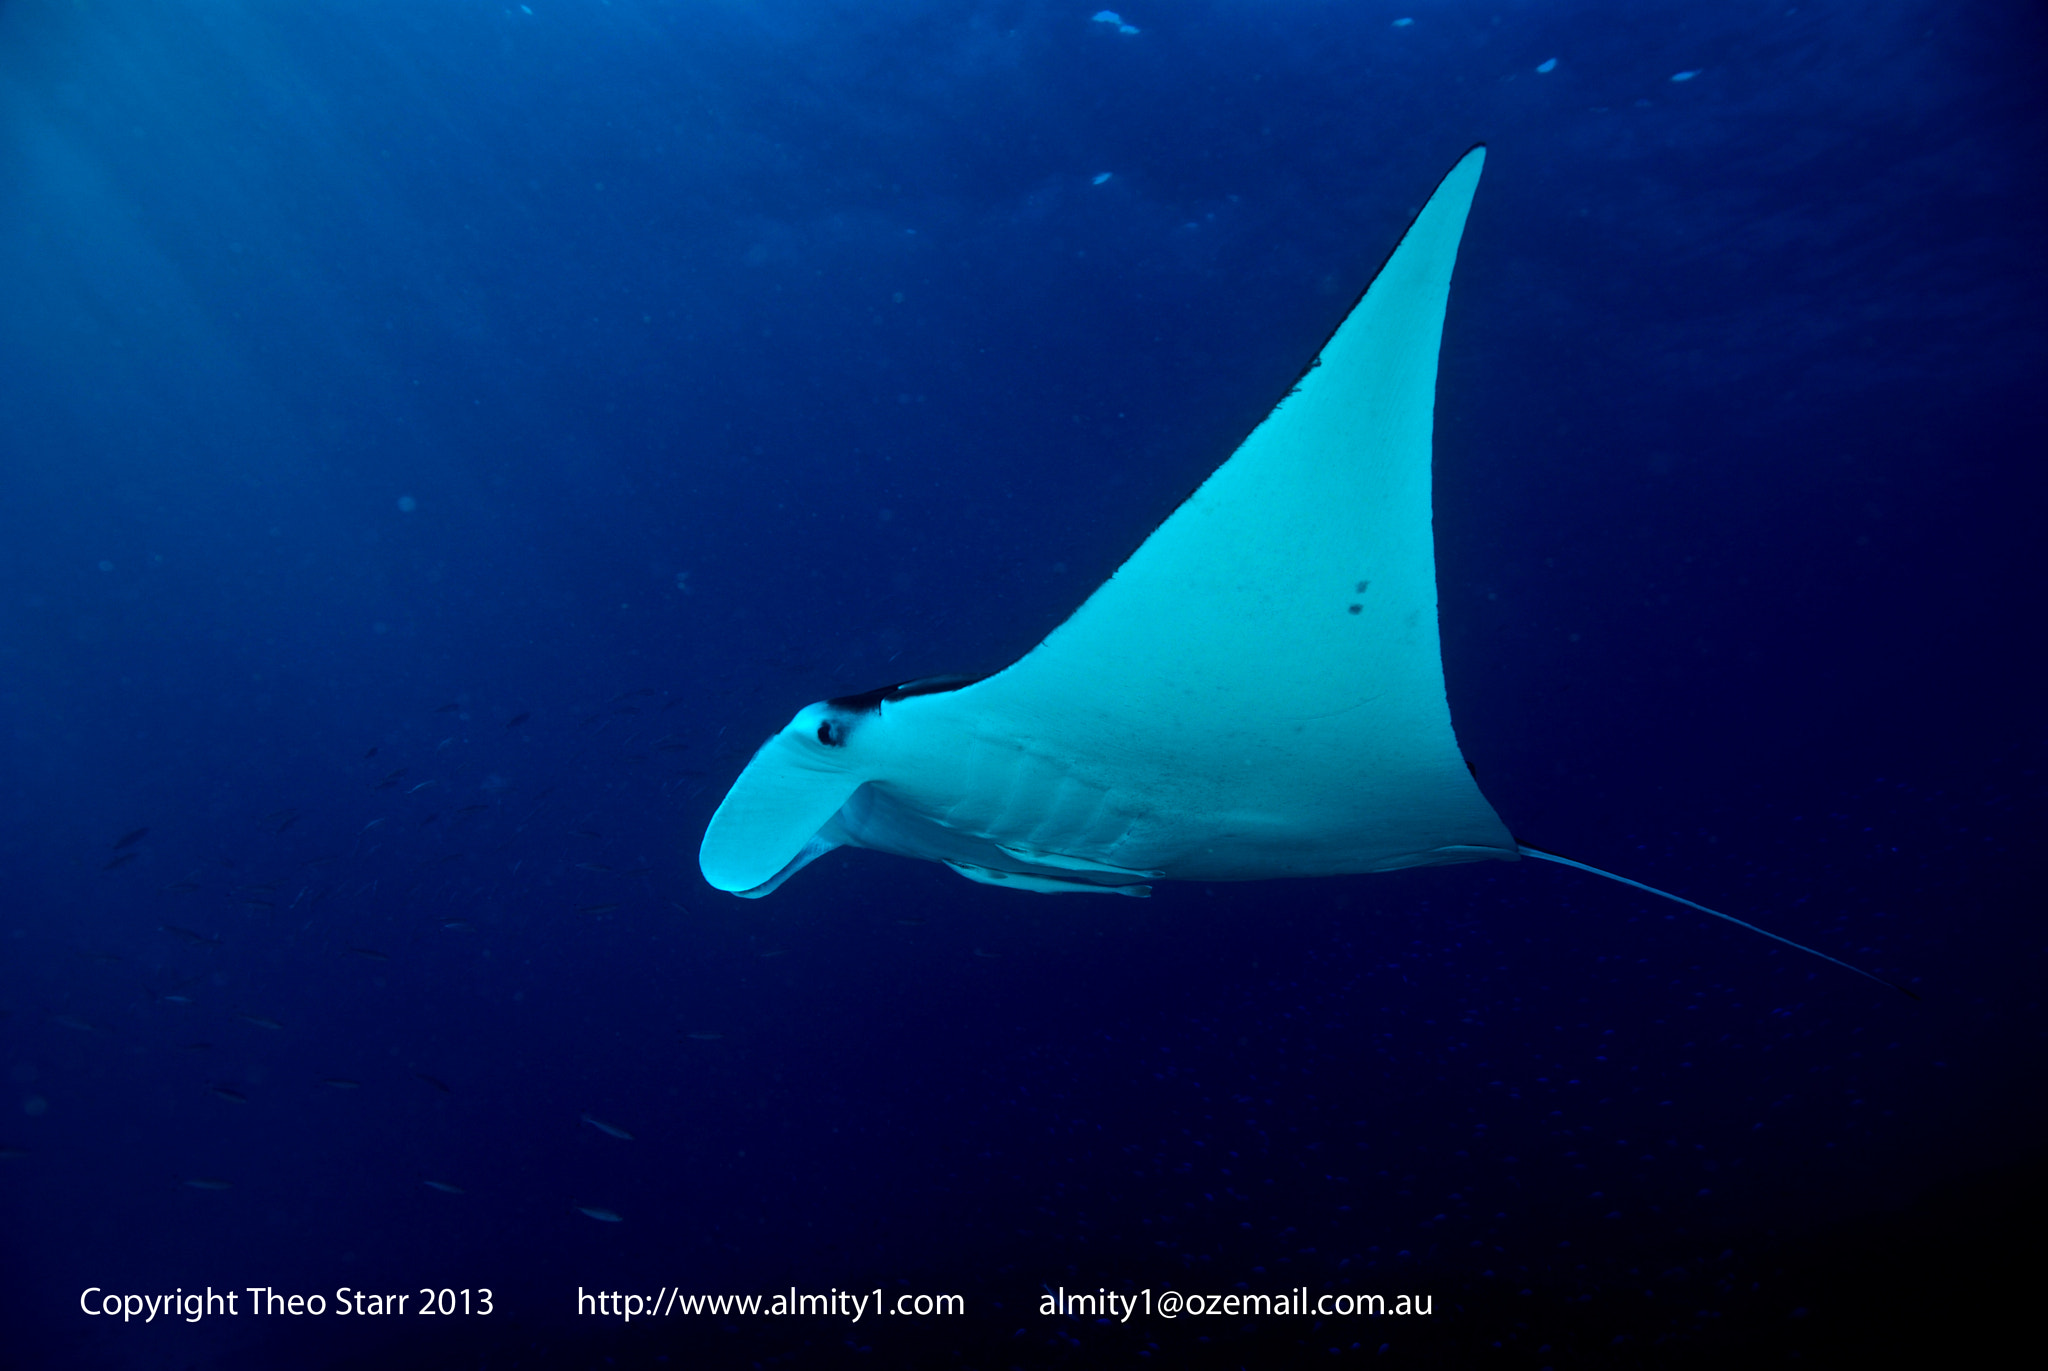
x=1258 y=692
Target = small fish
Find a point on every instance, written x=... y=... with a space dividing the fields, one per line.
x=778 y=952
x=641 y=693
x=231 y=1095
x=472 y=809
x=516 y=720
x=586 y=833
x=458 y=926
x=174 y=999
x=98 y=956
x=992 y=956
x=450 y=707
x=200 y=1183
x=189 y=935
x=272 y=1024
x=179 y=887
x=636 y=871
x=430 y=818
x=594 y=866
x=121 y=860
x=372 y=824
x=341 y=1083
x=443 y=1187
x=706 y=1036
x=372 y=953
x=421 y=786
x=596 y=908
x=439 y=1085
x=609 y=1130
x=9 y=1154
x=601 y=1215
x=281 y=819
x=198 y=1047
x=255 y=890
x=912 y=922
x=389 y=780
x=72 y=1022
x=131 y=838
x=371 y=753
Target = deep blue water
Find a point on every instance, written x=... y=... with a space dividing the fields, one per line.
x=438 y=442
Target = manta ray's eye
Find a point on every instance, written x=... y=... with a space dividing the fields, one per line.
x=831 y=734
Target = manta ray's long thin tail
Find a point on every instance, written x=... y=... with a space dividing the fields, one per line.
x=1541 y=855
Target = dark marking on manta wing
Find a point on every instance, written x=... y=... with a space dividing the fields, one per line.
x=850 y=709
x=871 y=701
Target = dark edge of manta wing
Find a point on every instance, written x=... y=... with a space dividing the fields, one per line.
x=1364 y=290
x=1541 y=855
x=1315 y=358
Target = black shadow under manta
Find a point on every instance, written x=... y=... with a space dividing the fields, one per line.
x=1258 y=692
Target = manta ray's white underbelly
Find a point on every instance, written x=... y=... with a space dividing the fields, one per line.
x=992 y=805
